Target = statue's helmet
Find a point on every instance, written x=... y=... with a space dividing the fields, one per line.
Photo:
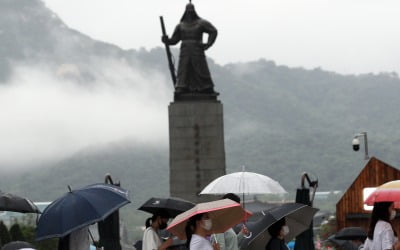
x=190 y=7
x=190 y=12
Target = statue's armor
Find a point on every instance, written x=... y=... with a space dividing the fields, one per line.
x=193 y=73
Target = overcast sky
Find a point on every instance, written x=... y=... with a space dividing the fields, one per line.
x=355 y=36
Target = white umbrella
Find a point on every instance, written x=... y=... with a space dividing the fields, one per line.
x=244 y=183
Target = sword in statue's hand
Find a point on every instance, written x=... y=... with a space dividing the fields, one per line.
x=169 y=55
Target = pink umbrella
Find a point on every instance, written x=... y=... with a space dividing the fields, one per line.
x=389 y=191
x=223 y=213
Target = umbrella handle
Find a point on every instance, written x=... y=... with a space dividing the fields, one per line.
x=246 y=233
x=91 y=236
x=248 y=236
x=215 y=238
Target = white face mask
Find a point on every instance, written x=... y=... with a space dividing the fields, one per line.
x=285 y=230
x=392 y=214
x=207 y=224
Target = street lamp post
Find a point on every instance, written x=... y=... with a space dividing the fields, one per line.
x=356 y=143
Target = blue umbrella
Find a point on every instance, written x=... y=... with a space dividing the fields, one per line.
x=80 y=208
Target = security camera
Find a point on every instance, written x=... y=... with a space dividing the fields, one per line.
x=356 y=144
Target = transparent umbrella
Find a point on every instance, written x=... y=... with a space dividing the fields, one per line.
x=244 y=183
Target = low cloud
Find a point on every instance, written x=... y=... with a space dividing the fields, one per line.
x=45 y=115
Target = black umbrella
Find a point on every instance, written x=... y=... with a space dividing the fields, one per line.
x=14 y=203
x=15 y=245
x=343 y=244
x=298 y=218
x=138 y=245
x=348 y=245
x=335 y=241
x=351 y=233
x=172 y=205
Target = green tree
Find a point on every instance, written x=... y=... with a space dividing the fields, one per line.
x=4 y=234
x=49 y=244
x=16 y=233
x=29 y=235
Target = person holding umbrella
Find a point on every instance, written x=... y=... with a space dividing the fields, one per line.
x=278 y=231
x=204 y=219
x=78 y=209
x=380 y=233
x=151 y=237
x=229 y=240
x=197 y=229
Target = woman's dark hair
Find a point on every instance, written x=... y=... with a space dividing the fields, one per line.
x=379 y=212
x=159 y=213
x=276 y=228
x=191 y=227
x=232 y=197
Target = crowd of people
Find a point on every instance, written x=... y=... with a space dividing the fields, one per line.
x=200 y=236
x=380 y=235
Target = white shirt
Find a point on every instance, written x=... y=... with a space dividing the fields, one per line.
x=151 y=240
x=384 y=238
x=227 y=240
x=79 y=239
x=199 y=243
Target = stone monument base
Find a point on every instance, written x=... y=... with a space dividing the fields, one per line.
x=197 y=152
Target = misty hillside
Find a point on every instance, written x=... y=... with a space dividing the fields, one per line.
x=279 y=121
x=31 y=33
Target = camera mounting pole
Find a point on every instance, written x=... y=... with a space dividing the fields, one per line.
x=363 y=134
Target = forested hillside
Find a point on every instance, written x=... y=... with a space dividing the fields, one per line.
x=279 y=121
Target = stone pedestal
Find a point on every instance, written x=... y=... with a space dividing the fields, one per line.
x=197 y=152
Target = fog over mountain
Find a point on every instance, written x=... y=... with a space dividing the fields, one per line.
x=45 y=118
x=73 y=108
x=61 y=91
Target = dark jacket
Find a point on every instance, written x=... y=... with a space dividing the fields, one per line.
x=276 y=244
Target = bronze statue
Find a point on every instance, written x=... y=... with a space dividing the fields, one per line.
x=193 y=73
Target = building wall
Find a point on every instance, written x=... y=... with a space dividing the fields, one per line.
x=350 y=208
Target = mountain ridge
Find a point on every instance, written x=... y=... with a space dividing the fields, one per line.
x=279 y=121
